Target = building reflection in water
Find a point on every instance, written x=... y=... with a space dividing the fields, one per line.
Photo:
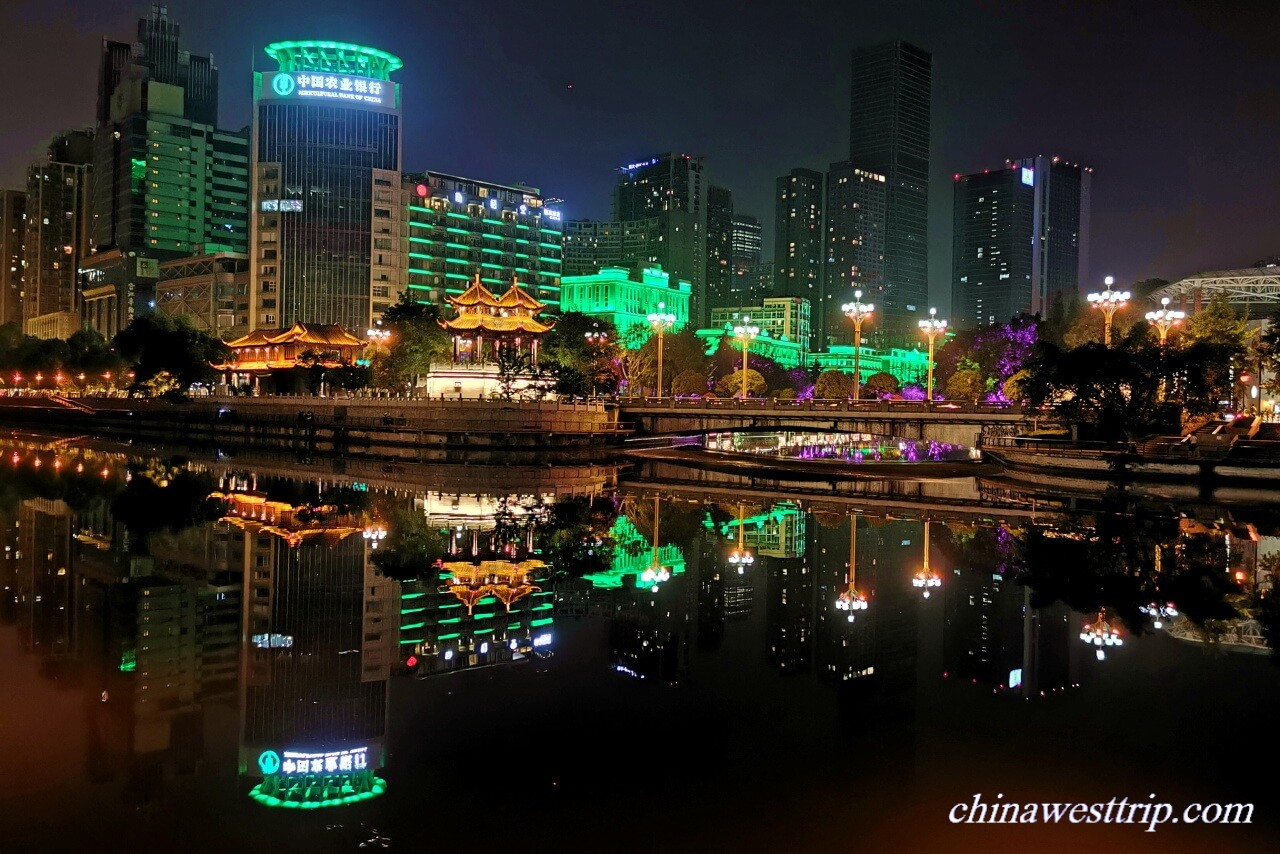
x=271 y=603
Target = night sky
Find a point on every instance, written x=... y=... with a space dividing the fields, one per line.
x=1173 y=103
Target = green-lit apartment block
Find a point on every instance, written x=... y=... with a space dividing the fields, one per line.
x=439 y=633
x=458 y=227
x=626 y=297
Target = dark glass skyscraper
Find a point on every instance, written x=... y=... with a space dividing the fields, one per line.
x=673 y=188
x=1020 y=240
x=889 y=135
x=797 y=245
x=327 y=203
x=13 y=208
x=745 y=256
x=719 y=249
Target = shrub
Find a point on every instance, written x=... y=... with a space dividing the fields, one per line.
x=689 y=382
x=731 y=386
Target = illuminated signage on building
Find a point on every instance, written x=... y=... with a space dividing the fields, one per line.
x=273 y=641
x=1028 y=176
x=296 y=763
x=630 y=167
x=553 y=215
x=286 y=205
x=362 y=91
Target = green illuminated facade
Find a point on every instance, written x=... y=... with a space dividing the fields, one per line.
x=457 y=227
x=784 y=351
x=907 y=366
x=627 y=297
x=633 y=554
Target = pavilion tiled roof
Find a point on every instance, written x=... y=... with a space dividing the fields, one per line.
x=477 y=294
x=327 y=334
x=495 y=323
x=518 y=297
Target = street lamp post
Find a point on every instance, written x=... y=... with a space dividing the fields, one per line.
x=857 y=311
x=1165 y=319
x=656 y=573
x=745 y=334
x=933 y=327
x=596 y=339
x=661 y=320
x=850 y=599
x=1110 y=302
x=741 y=557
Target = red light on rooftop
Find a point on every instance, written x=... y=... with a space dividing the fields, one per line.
x=955 y=177
x=422 y=191
x=411 y=661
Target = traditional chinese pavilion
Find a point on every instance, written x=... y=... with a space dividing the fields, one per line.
x=508 y=321
x=504 y=580
x=265 y=350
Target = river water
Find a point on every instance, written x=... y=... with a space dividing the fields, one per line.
x=216 y=653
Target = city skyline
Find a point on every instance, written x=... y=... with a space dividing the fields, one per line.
x=1083 y=93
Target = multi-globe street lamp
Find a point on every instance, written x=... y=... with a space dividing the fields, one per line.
x=1159 y=612
x=745 y=333
x=932 y=328
x=850 y=599
x=741 y=557
x=661 y=320
x=1101 y=634
x=595 y=339
x=1110 y=302
x=926 y=579
x=1165 y=319
x=857 y=311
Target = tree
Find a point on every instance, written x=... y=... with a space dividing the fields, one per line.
x=579 y=361
x=1218 y=327
x=966 y=385
x=881 y=384
x=689 y=382
x=417 y=341
x=731 y=385
x=1013 y=388
x=833 y=385
x=156 y=344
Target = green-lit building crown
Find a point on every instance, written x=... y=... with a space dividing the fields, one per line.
x=334 y=57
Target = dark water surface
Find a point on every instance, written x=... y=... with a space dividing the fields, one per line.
x=168 y=621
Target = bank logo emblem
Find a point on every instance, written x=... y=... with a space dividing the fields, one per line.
x=283 y=84
x=269 y=760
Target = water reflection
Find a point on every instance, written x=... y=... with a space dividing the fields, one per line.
x=218 y=616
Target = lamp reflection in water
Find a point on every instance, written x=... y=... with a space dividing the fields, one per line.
x=1101 y=634
x=741 y=557
x=656 y=573
x=1159 y=613
x=850 y=599
x=926 y=579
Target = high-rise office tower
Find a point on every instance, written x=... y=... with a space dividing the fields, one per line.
x=855 y=245
x=719 y=249
x=56 y=239
x=1020 y=239
x=166 y=182
x=590 y=245
x=13 y=208
x=797 y=246
x=671 y=187
x=327 y=204
x=889 y=135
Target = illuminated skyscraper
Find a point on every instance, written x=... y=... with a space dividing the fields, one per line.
x=166 y=182
x=889 y=135
x=57 y=236
x=327 y=204
x=855 y=246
